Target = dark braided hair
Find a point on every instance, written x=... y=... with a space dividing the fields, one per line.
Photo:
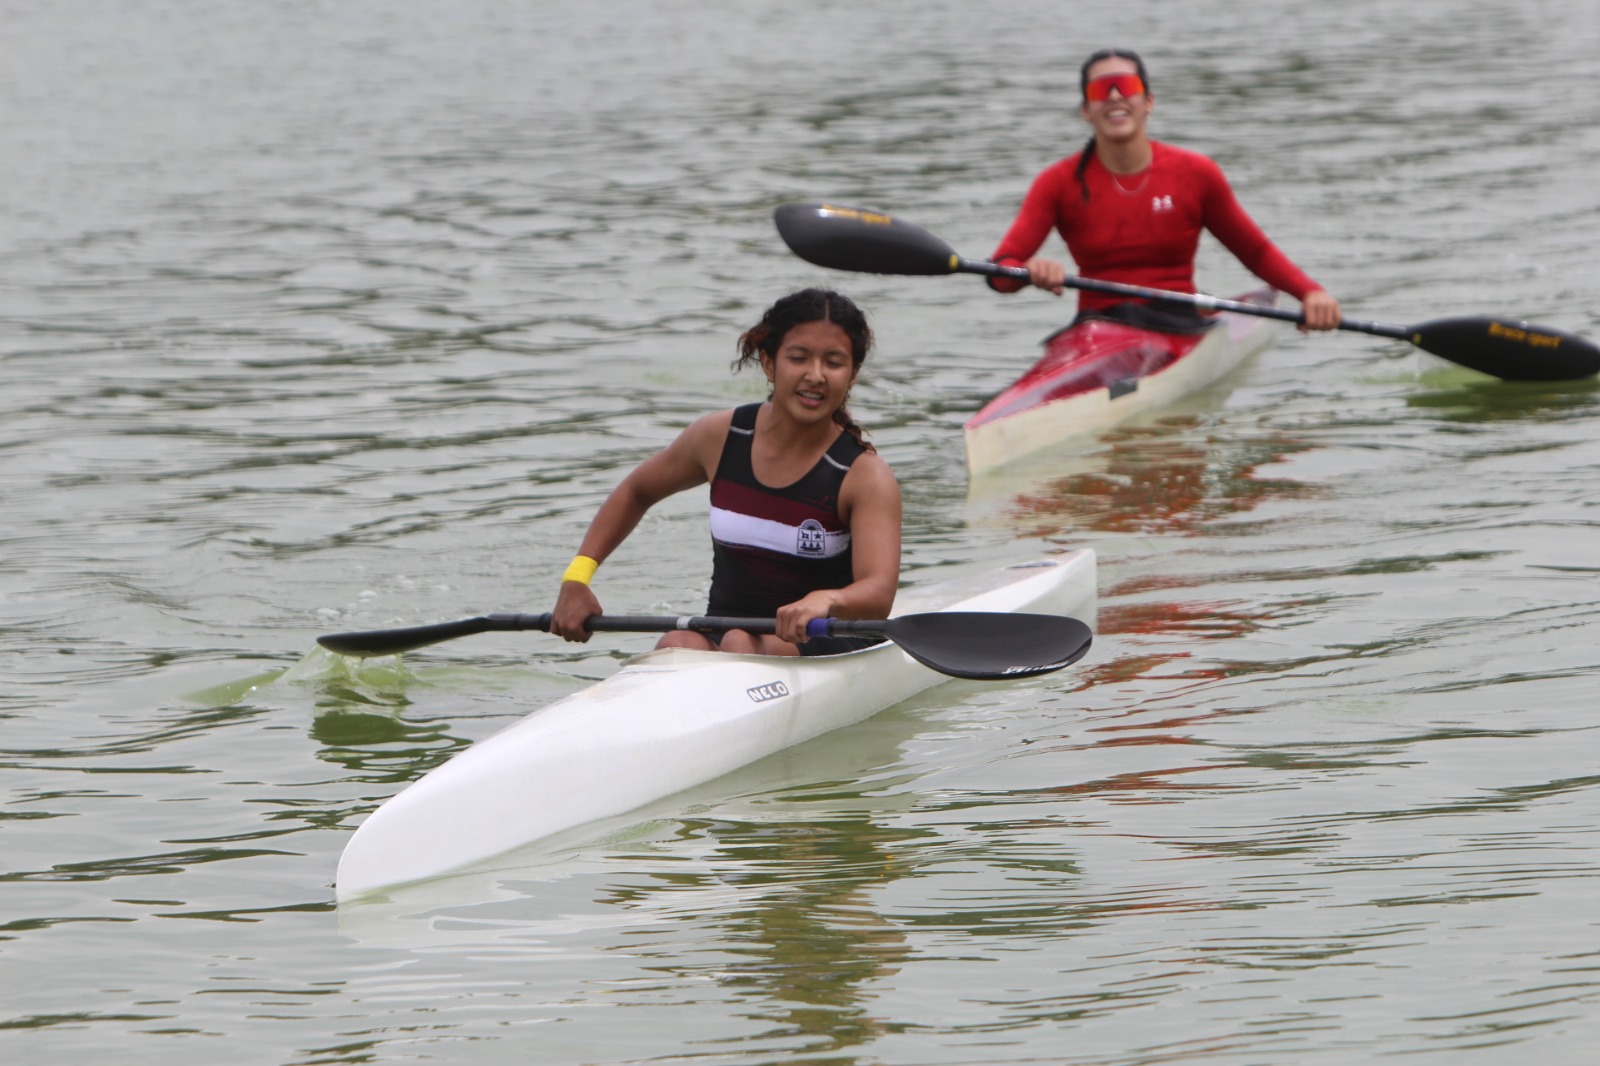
x=796 y=309
x=1083 y=87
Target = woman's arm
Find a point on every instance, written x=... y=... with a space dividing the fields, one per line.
x=1028 y=232
x=690 y=460
x=869 y=502
x=1239 y=233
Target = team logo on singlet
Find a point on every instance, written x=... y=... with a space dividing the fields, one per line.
x=811 y=538
x=1159 y=204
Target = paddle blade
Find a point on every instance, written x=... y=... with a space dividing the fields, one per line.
x=395 y=641
x=1513 y=351
x=990 y=647
x=869 y=242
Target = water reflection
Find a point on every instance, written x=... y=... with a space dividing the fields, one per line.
x=380 y=748
x=805 y=931
x=763 y=907
x=1481 y=400
x=1161 y=479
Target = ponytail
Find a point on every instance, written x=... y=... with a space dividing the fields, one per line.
x=1083 y=165
x=842 y=418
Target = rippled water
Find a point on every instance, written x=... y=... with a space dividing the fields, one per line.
x=319 y=317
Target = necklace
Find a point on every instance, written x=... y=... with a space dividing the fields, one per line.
x=1116 y=180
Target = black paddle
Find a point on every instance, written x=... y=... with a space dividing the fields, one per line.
x=975 y=645
x=847 y=238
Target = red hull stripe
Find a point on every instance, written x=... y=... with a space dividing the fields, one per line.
x=1090 y=356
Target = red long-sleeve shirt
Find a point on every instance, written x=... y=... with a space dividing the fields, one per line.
x=1142 y=229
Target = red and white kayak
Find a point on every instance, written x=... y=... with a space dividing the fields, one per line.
x=1100 y=372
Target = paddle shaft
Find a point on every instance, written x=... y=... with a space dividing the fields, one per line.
x=395 y=641
x=1196 y=300
x=647 y=623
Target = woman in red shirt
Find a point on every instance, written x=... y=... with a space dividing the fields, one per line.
x=1131 y=209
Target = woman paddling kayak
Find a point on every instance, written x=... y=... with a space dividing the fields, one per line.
x=1131 y=210
x=805 y=515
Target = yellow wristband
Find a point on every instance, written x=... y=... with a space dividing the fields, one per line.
x=581 y=569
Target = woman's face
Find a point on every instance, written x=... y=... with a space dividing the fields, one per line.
x=1117 y=117
x=812 y=372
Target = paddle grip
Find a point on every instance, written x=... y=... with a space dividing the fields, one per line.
x=839 y=627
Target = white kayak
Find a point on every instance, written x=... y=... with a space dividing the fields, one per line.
x=1100 y=372
x=666 y=721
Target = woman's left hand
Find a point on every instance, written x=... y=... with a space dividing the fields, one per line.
x=1321 y=311
x=792 y=617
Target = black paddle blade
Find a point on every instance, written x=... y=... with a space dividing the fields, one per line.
x=869 y=242
x=394 y=641
x=990 y=647
x=1513 y=351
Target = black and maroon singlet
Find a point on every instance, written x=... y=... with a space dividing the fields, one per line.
x=772 y=546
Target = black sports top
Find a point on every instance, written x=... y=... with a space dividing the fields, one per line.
x=773 y=546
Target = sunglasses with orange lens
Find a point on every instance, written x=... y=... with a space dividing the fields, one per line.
x=1125 y=83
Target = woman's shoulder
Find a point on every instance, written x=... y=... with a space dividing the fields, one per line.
x=716 y=420
x=1186 y=158
x=719 y=423
x=871 y=468
x=870 y=483
x=1067 y=165
x=706 y=433
x=699 y=444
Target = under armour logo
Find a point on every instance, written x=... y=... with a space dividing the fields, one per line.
x=1161 y=203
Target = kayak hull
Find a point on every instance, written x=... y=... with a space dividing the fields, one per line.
x=1100 y=372
x=666 y=721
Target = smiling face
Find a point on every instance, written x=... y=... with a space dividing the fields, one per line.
x=812 y=372
x=1116 y=118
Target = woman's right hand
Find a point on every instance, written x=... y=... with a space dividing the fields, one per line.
x=575 y=603
x=1047 y=274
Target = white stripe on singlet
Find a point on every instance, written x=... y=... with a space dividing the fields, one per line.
x=747 y=531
